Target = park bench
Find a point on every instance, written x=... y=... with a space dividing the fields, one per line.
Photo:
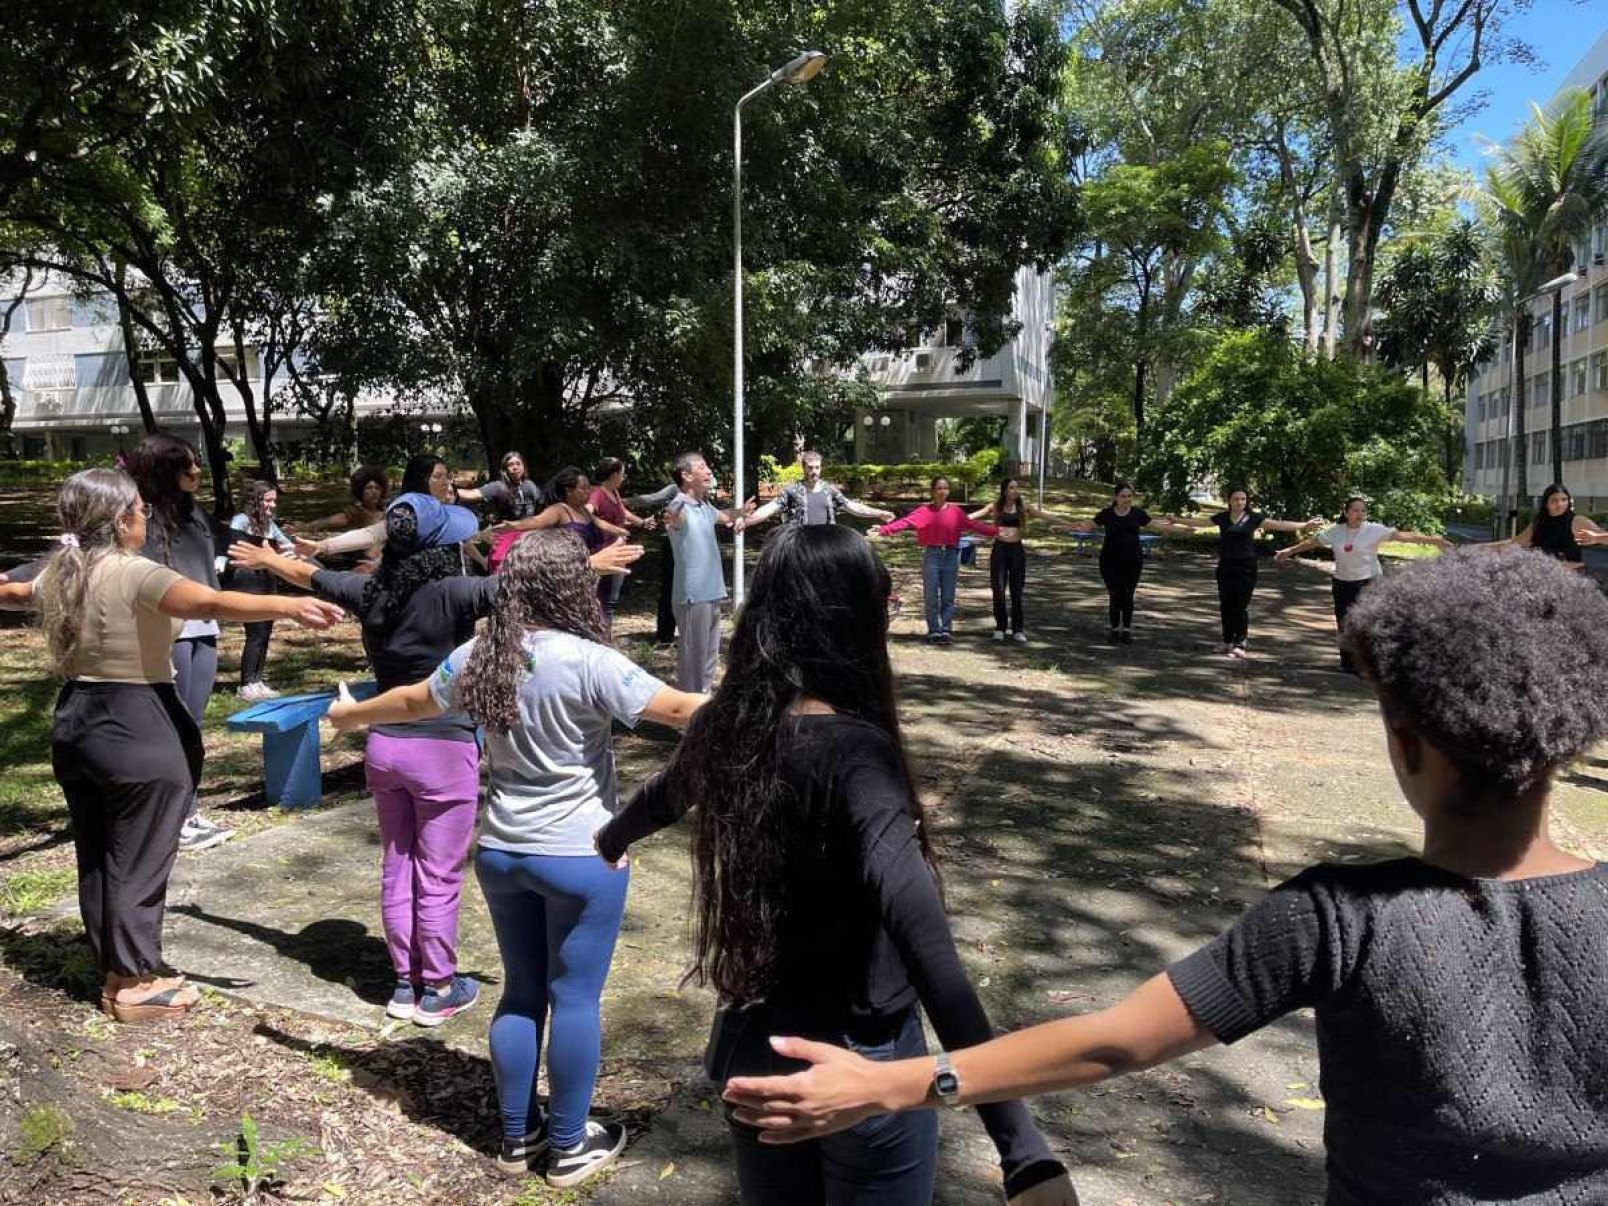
x=1082 y=540
x=290 y=743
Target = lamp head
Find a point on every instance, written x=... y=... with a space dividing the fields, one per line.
x=801 y=70
x=1559 y=282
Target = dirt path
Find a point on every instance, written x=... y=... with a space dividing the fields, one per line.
x=1099 y=811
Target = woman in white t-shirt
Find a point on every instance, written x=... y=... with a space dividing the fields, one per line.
x=1355 y=542
x=547 y=689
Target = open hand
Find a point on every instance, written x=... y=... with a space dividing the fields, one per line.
x=304 y=547
x=616 y=558
x=837 y=1091
x=315 y=613
x=243 y=555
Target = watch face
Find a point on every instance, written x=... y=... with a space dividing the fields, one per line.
x=947 y=1084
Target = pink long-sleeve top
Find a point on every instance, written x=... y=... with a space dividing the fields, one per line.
x=939 y=528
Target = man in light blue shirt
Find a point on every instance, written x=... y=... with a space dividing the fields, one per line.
x=699 y=585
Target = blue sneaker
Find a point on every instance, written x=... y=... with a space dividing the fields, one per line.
x=439 y=1004
x=402 y=1002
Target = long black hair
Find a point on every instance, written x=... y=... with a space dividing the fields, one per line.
x=1546 y=497
x=416 y=474
x=815 y=626
x=560 y=484
x=1021 y=499
x=156 y=466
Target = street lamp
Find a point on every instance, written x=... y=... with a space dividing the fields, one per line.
x=1518 y=391
x=800 y=70
x=430 y=430
x=119 y=430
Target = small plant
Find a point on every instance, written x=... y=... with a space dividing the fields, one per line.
x=329 y=1067
x=45 y=1129
x=256 y=1167
x=141 y=1103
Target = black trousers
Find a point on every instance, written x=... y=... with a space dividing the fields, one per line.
x=1007 y=568
x=1121 y=576
x=1345 y=595
x=128 y=758
x=1236 y=583
x=665 y=632
x=258 y=633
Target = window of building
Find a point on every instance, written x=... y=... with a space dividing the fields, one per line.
x=1481 y=405
x=1479 y=457
x=923 y=362
x=1597 y=438
x=50 y=314
x=1506 y=400
x=1577 y=378
x=158 y=368
x=1574 y=442
x=1541 y=389
x=1543 y=327
x=227 y=362
x=1602 y=302
x=1599 y=371
x=1538 y=448
x=1582 y=313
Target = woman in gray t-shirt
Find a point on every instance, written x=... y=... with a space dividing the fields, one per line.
x=547 y=691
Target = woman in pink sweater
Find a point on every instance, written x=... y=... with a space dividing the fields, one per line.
x=938 y=526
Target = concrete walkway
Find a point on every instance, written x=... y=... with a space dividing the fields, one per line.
x=1099 y=811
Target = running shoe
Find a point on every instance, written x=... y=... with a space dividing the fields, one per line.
x=517 y=1155
x=439 y=1004
x=198 y=833
x=1019 y=637
x=945 y=638
x=999 y=634
x=600 y=1148
x=403 y=1000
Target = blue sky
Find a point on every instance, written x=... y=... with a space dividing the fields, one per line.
x=1560 y=32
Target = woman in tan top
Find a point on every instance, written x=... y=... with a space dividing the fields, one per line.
x=125 y=749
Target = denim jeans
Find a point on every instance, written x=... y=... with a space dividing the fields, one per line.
x=888 y=1160
x=939 y=568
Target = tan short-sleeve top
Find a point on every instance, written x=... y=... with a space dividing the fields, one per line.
x=122 y=637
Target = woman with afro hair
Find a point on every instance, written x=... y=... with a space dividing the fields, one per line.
x=1462 y=1039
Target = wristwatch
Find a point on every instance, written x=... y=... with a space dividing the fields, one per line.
x=946 y=1081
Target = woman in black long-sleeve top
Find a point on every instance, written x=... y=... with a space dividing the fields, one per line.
x=817 y=911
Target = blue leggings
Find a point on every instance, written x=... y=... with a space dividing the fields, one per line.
x=556 y=919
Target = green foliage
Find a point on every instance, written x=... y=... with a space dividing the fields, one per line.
x=907 y=478
x=38 y=473
x=1300 y=434
x=45 y=1128
x=256 y=1167
x=960 y=438
x=25 y=892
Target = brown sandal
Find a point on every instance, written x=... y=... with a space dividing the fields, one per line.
x=163 y=1004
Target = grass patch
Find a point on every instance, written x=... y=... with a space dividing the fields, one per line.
x=141 y=1103
x=45 y=1129
x=27 y=892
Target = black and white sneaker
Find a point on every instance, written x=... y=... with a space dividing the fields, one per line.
x=600 y=1148
x=517 y=1155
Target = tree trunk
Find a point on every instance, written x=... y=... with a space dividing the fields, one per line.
x=1331 y=280
x=1306 y=267
x=131 y=353
x=529 y=416
x=1454 y=436
x=8 y=400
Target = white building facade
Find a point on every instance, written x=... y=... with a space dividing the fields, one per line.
x=1582 y=346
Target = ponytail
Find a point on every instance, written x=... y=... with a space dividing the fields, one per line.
x=89 y=506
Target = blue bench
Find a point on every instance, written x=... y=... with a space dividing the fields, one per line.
x=1082 y=540
x=290 y=743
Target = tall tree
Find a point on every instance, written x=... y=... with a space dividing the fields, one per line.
x=1381 y=113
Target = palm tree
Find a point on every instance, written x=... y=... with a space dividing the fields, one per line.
x=1543 y=193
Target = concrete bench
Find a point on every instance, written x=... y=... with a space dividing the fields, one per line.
x=1082 y=541
x=290 y=743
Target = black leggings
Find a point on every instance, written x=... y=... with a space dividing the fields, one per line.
x=665 y=629
x=1345 y=595
x=1121 y=575
x=1236 y=582
x=1007 y=567
x=255 y=654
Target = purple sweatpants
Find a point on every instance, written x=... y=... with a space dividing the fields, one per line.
x=425 y=790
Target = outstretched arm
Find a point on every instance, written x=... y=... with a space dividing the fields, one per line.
x=16 y=596
x=186 y=600
x=261 y=557
x=764 y=513
x=984 y=512
x=399 y=705
x=1172 y=526
x=1189 y=521
x=1418 y=538
x=1300 y=546
x=866 y=510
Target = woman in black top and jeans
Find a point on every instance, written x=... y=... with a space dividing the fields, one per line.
x=1557 y=530
x=816 y=909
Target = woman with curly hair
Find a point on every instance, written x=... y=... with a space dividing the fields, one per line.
x=425 y=473
x=256 y=522
x=816 y=909
x=369 y=486
x=180 y=535
x=548 y=691
x=1461 y=1041
x=125 y=747
x=425 y=778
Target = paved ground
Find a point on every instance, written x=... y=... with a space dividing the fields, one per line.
x=1099 y=811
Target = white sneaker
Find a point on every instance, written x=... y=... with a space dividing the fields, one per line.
x=198 y=833
x=999 y=634
x=600 y=1147
x=252 y=692
x=264 y=691
x=1019 y=637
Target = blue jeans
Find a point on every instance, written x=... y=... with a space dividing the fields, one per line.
x=556 y=920
x=888 y=1160
x=939 y=568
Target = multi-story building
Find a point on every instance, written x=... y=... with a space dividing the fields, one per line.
x=921 y=385
x=1582 y=345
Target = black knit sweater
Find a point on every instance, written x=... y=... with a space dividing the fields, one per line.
x=1462 y=1026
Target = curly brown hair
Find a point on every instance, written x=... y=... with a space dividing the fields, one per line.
x=545 y=582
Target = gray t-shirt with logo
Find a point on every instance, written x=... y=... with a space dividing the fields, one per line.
x=552 y=776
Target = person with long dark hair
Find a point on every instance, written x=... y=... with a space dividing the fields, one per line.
x=563 y=505
x=425 y=778
x=816 y=908
x=1355 y=542
x=511 y=494
x=370 y=486
x=938 y=526
x=1558 y=530
x=1122 y=555
x=1461 y=1043
x=1237 y=526
x=256 y=521
x=125 y=747
x=548 y=691
x=181 y=536
x=607 y=504
x=1007 y=560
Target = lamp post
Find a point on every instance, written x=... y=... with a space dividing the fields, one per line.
x=800 y=70
x=1556 y=287
x=430 y=430
x=1520 y=397
x=119 y=430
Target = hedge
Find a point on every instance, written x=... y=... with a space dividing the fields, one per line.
x=911 y=477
